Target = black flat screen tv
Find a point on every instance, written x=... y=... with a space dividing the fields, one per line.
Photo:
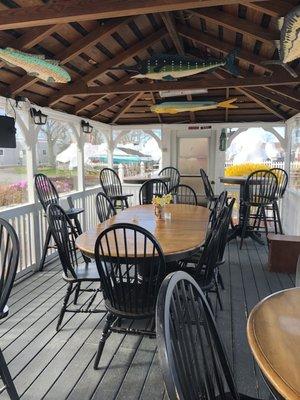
x=7 y=132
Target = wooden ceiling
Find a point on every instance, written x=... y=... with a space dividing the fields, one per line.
x=90 y=37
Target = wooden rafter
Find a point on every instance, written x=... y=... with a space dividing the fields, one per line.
x=279 y=79
x=275 y=9
x=126 y=106
x=215 y=44
x=106 y=65
x=59 y=12
x=236 y=24
x=71 y=52
x=114 y=101
x=286 y=91
x=264 y=103
x=171 y=27
x=279 y=98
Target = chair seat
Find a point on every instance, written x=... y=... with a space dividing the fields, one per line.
x=84 y=272
x=73 y=212
x=120 y=196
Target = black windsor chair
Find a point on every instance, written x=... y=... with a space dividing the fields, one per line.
x=104 y=207
x=259 y=193
x=9 y=258
x=191 y=354
x=209 y=193
x=47 y=194
x=131 y=265
x=112 y=187
x=173 y=174
x=75 y=271
x=184 y=194
x=150 y=188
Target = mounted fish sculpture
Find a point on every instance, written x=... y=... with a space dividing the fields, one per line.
x=171 y=67
x=289 y=44
x=175 y=107
x=35 y=65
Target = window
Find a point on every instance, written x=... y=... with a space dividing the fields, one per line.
x=1 y=152
x=57 y=155
x=295 y=159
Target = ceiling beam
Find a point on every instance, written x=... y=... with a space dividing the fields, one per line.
x=275 y=9
x=290 y=92
x=108 y=64
x=110 y=103
x=280 y=79
x=126 y=106
x=236 y=24
x=264 y=103
x=215 y=44
x=82 y=104
x=278 y=98
x=63 y=12
x=168 y=20
x=66 y=55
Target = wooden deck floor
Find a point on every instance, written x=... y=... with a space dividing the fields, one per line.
x=50 y=365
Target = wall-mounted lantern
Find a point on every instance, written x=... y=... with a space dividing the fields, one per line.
x=38 y=117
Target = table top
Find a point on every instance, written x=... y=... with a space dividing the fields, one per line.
x=180 y=235
x=274 y=337
x=140 y=179
x=234 y=180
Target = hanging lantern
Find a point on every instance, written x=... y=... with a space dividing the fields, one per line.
x=38 y=117
x=222 y=140
x=86 y=127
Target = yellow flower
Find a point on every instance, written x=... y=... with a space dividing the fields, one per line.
x=244 y=169
x=162 y=200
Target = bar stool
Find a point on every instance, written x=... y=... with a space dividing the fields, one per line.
x=47 y=194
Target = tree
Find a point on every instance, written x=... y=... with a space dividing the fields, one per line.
x=55 y=134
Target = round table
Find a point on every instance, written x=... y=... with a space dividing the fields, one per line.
x=274 y=337
x=140 y=179
x=237 y=229
x=180 y=234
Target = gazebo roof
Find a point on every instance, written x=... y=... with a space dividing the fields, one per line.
x=90 y=37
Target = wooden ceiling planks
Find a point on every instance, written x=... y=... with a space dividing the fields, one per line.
x=88 y=53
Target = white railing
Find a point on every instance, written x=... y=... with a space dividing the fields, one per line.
x=30 y=224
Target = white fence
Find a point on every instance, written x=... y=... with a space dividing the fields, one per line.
x=272 y=164
x=30 y=224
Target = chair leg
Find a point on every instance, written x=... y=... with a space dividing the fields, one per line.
x=104 y=336
x=218 y=295
x=64 y=307
x=278 y=217
x=209 y=301
x=7 y=379
x=77 y=291
x=45 y=249
x=265 y=220
x=245 y=223
x=220 y=280
x=126 y=202
x=274 y=217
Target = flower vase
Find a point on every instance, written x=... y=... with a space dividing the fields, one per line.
x=158 y=211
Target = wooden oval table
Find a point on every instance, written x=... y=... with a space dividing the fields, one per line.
x=274 y=337
x=180 y=234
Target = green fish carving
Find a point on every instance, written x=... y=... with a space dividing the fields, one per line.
x=35 y=65
x=289 y=44
x=171 y=67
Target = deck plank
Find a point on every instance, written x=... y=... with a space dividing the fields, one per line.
x=53 y=366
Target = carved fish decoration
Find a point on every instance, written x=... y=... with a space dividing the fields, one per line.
x=35 y=65
x=175 y=107
x=289 y=44
x=171 y=67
